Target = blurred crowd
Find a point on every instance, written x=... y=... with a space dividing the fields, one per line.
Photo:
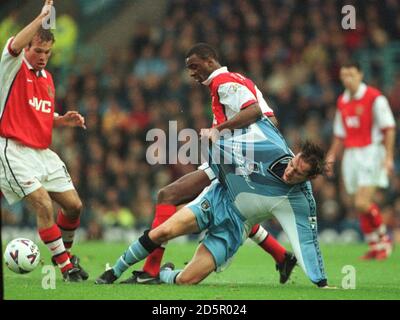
x=291 y=49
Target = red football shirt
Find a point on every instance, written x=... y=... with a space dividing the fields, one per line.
x=26 y=101
x=231 y=92
x=360 y=120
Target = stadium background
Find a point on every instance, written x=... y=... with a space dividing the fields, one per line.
x=121 y=64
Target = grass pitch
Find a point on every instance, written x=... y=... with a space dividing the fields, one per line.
x=251 y=276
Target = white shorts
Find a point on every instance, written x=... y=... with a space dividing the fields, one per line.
x=24 y=170
x=364 y=167
x=206 y=168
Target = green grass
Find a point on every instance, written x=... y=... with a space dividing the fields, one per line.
x=251 y=276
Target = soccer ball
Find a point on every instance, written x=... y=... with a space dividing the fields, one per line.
x=22 y=255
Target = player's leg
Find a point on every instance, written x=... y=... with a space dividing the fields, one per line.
x=201 y=265
x=68 y=220
x=268 y=243
x=41 y=204
x=19 y=169
x=362 y=173
x=178 y=192
x=61 y=190
x=297 y=217
x=181 y=223
x=371 y=224
x=285 y=261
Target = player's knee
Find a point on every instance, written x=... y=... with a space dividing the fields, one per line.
x=43 y=207
x=188 y=279
x=361 y=205
x=44 y=212
x=74 y=210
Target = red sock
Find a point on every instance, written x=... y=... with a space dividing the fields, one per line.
x=375 y=216
x=268 y=243
x=52 y=238
x=371 y=220
x=153 y=261
x=371 y=225
x=67 y=227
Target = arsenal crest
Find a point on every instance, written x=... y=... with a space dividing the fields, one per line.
x=359 y=109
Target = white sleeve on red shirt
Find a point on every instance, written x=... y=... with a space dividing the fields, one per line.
x=10 y=62
x=235 y=96
x=9 y=67
x=265 y=108
x=338 y=127
x=383 y=115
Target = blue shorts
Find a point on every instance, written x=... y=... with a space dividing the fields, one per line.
x=226 y=230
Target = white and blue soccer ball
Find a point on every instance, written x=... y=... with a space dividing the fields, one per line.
x=22 y=255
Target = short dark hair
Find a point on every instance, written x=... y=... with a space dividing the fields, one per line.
x=314 y=155
x=45 y=35
x=352 y=64
x=203 y=51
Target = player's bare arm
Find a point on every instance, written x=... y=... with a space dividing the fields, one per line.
x=25 y=36
x=389 y=142
x=70 y=119
x=334 y=150
x=243 y=119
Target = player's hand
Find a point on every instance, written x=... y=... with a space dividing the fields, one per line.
x=46 y=10
x=330 y=165
x=389 y=165
x=211 y=134
x=329 y=288
x=73 y=119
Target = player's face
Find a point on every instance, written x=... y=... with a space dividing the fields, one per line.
x=351 y=78
x=38 y=53
x=296 y=171
x=198 y=68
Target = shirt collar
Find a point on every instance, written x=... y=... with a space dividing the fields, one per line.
x=214 y=74
x=358 y=95
x=41 y=73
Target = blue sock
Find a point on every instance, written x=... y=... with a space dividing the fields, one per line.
x=168 y=275
x=133 y=254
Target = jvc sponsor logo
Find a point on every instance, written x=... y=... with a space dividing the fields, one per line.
x=40 y=105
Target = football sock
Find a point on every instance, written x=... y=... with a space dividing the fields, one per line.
x=137 y=251
x=153 y=262
x=266 y=241
x=371 y=225
x=168 y=275
x=52 y=238
x=67 y=227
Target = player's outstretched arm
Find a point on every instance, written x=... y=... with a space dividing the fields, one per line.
x=25 y=36
x=334 y=150
x=70 y=119
x=243 y=119
x=389 y=143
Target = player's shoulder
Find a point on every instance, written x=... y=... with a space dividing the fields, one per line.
x=372 y=91
x=340 y=100
x=228 y=77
